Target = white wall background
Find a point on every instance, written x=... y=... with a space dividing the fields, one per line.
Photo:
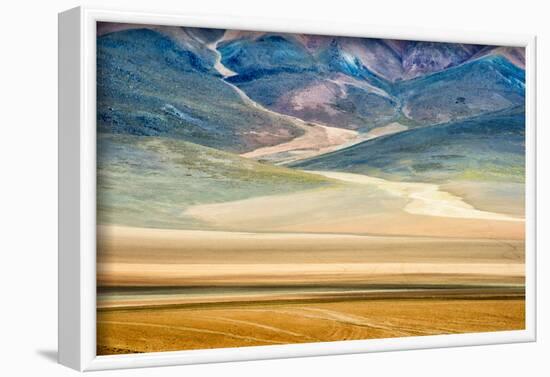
x=28 y=161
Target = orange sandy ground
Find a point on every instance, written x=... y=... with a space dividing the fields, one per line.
x=255 y=324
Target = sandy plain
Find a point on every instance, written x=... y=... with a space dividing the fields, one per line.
x=155 y=257
x=276 y=323
x=209 y=289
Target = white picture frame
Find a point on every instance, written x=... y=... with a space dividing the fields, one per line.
x=77 y=191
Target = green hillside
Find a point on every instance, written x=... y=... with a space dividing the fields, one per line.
x=149 y=181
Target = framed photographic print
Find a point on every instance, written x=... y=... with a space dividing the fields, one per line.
x=237 y=189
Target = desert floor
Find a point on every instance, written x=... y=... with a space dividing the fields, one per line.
x=207 y=289
x=253 y=324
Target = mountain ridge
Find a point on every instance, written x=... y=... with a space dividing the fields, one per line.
x=491 y=146
x=163 y=81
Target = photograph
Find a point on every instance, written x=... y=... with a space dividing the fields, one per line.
x=264 y=188
x=275 y=189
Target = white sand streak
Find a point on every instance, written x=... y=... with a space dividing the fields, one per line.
x=218 y=65
x=319 y=139
x=388 y=129
x=425 y=198
x=316 y=140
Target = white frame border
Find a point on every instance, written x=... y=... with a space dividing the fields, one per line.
x=77 y=191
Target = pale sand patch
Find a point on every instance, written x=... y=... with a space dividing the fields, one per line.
x=425 y=198
x=122 y=244
x=388 y=129
x=319 y=139
x=502 y=197
x=316 y=140
x=233 y=270
x=127 y=274
x=157 y=257
x=362 y=205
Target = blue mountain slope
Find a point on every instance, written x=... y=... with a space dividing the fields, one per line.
x=268 y=54
x=485 y=85
x=147 y=84
x=488 y=147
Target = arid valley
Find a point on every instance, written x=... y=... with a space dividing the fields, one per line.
x=267 y=189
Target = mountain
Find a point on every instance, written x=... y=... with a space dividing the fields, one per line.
x=324 y=84
x=267 y=54
x=486 y=84
x=167 y=81
x=392 y=60
x=190 y=39
x=404 y=60
x=361 y=84
x=487 y=147
x=377 y=55
x=156 y=84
